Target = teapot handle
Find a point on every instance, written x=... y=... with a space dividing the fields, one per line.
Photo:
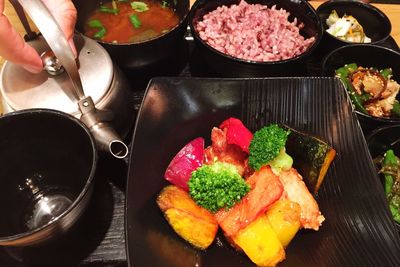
x=96 y=120
x=56 y=40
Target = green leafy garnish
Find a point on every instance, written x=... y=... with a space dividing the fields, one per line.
x=386 y=73
x=164 y=4
x=396 y=108
x=390 y=168
x=135 y=21
x=100 y=34
x=95 y=23
x=343 y=74
x=123 y=1
x=139 y=6
x=106 y=9
x=365 y=97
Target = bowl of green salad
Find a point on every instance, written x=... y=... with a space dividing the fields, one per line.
x=384 y=147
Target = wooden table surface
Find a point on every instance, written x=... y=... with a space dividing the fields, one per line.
x=391 y=10
x=103 y=245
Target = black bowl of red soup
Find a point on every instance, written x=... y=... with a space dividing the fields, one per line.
x=136 y=34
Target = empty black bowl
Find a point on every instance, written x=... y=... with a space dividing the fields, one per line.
x=383 y=139
x=230 y=66
x=366 y=56
x=47 y=165
x=145 y=53
x=375 y=23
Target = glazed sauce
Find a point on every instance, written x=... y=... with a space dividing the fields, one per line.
x=130 y=25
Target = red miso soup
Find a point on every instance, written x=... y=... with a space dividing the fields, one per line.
x=125 y=21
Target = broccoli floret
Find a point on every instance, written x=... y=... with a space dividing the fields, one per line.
x=282 y=162
x=217 y=186
x=266 y=145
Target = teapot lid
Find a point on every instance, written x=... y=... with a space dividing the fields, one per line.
x=22 y=89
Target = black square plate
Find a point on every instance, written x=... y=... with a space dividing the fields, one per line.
x=358 y=230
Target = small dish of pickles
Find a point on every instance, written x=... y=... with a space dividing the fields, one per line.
x=353 y=22
x=346 y=28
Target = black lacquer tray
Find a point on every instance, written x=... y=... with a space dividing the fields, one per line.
x=358 y=231
x=99 y=237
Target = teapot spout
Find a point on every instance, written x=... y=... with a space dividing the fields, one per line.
x=108 y=140
x=98 y=122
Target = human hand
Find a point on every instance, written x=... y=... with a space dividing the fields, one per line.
x=14 y=48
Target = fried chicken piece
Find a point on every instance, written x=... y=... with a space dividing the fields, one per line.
x=295 y=190
x=383 y=107
x=220 y=150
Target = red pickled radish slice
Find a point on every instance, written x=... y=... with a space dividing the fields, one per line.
x=188 y=159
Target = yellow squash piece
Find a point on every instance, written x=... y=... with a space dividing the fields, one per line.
x=284 y=217
x=192 y=222
x=260 y=243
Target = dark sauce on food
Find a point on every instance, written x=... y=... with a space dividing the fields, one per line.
x=124 y=22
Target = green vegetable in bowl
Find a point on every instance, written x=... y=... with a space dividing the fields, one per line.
x=139 y=6
x=95 y=23
x=396 y=108
x=343 y=74
x=135 y=20
x=391 y=171
x=217 y=186
x=268 y=147
x=164 y=4
x=106 y=9
x=387 y=73
x=373 y=92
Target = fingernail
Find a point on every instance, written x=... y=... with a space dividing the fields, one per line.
x=72 y=45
